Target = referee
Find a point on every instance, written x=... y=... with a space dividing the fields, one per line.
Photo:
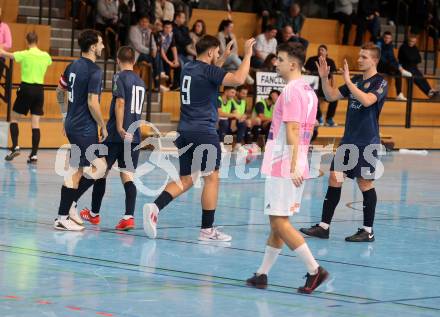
x=30 y=95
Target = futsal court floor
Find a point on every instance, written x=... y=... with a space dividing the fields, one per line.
x=101 y=272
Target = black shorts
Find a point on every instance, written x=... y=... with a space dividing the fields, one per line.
x=204 y=154
x=29 y=97
x=116 y=153
x=81 y=143
x=364 y=167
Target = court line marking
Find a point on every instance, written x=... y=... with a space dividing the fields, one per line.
x=370 y=300
x=112 y=231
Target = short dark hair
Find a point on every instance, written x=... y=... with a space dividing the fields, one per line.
x=178 y=13
x=144 y=16
x=372 y=48
x=323 y=46
x=167 y=22
x=224 y=24
x=32 y=38
x=240 y=88
x=275 y=91
x=205 y=43
x=387 y=33
x=295 y=50
x=126 y=54
x=87 y=38
x=269 y=28
x=229 y=88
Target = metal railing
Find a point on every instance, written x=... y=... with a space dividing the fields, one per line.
x=7 y=85
x=49 y=14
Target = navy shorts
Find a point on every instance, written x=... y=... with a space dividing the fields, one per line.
x=83 y=142
x=116 y=153
x=363 y=168
x=203 y=155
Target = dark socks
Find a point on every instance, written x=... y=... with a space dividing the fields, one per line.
x=84 y=184
x=330 y=202
x=35 y=141
x=130 y=198
x=207 y=218
x=98 y=194
x=67 y=197
x=13 y=128
x=370 y=200
x=164 y=199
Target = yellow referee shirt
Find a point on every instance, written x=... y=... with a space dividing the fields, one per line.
x=34 y=63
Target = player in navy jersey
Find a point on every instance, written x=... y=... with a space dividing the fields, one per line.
x=200 y=81
x=126 y=108
x=366 y=95
x=82 y=83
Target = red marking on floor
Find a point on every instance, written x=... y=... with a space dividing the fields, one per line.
x=73 y=308
x=43 y=302
x=12 y=297
x=104 y=314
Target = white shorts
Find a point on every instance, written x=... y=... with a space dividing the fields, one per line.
x=281 y=197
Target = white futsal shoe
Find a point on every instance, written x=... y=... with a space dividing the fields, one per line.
x=213 y=235
x=73 y=215
x=67 y=225
x=150 y=215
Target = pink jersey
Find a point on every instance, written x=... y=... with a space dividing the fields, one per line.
x=297 y=103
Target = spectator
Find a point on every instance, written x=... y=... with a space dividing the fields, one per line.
x=226 y=114
x=142 y=40
x=344 y=13
x=388 y=63
x=5 y=40
x=164 y=10
x=270 y=63
x=312 y=68
x=198 y=30
x=168 y=52
x=287 y=36
x=367 y=18
x=125 y=10
x=264 y=110
x=266 y=9
x=226 y=35
x=107 y=17
x=182 y=38
x=294 y=18
x=242 y=122
x=409 y=58
x=266 y=44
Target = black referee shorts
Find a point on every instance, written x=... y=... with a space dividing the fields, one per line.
x=30 y=97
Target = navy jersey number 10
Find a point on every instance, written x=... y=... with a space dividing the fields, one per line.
x=137 y=99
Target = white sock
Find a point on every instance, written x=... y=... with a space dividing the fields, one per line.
x=127 y=217
x=324 y=225
x=62 y=217
x=306 y=256
x=269 y=259
x=93 y=214
x=368 y=229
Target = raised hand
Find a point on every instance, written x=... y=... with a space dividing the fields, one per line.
x=248 y=47
x=323 y=68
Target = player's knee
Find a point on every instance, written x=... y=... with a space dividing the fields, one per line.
x=276 y=223
x=364 y=184
x=187 y=181
x=336 y=179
